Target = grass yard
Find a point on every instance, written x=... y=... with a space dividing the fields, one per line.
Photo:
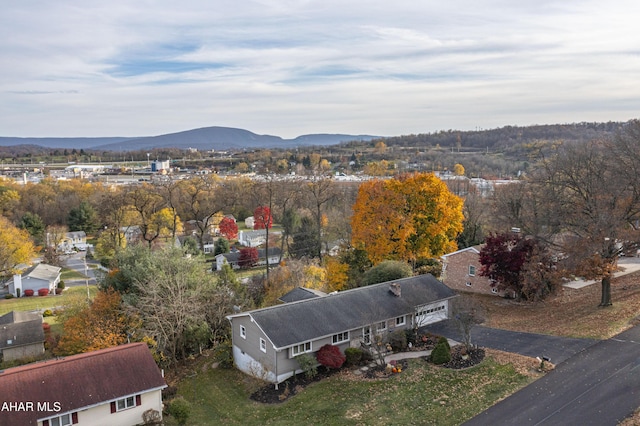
x=422 y=394
x=45 y=302
x=572 y=312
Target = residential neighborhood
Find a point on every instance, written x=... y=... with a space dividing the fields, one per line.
x=249 y=298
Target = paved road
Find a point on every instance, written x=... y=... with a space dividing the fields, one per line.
x=598 y=386
x=558 y=349
x=77 y=263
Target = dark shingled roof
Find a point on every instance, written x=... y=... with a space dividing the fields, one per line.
x=79 y=381
x=21 y=328
x=300 y=293
x=297 y=322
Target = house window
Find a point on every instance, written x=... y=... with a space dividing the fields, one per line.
x=263 y=345
x=243 y=332
x=366 y=335
x=381 y=326
x=125 y=403
x=64 y=420
x=401 y=321
x=340 y=337
x=472 y=271
x=300 y=349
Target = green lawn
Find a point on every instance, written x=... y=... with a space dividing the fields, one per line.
x=45 y=302
x=422 y=394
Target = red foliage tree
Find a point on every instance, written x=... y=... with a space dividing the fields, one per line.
x=248 y=257
x=262 y=218
x=503 y=258
x=228 y=228
x=330 y=356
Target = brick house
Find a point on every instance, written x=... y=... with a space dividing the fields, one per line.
x=461 y=272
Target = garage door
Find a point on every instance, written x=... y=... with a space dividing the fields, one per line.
x=432 y=313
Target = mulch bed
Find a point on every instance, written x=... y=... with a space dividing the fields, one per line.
x=293 y=385
x=461 y=358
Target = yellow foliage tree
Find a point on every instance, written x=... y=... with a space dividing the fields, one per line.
x=414 y=216
x=315 y=277
x=16 y=247
x=337 y=277
x=458 y=169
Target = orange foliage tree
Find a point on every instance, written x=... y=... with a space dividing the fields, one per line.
x=101 y=324
x=413 y=216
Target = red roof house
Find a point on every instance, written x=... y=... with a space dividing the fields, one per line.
x=109 y=387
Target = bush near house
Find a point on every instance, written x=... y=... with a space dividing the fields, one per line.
x=441 y=354
x=330 y=356
x=28 y=293
x=42 y=292
x=353 y=356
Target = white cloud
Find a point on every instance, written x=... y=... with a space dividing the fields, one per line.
x=294 y=67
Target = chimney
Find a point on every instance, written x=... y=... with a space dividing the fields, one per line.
x=395 y=289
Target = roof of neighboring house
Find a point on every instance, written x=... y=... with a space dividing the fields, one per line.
x=474 y=249
x=292 y=323
x=301 y=293
x=80 y=381
x=21 y=329
x=254 y=234
x=42 y=271
x=234 y=257
x=76 y=234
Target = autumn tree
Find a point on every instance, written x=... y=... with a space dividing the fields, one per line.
x=16 y=247
x=320 y=192
x=148 y=203
x=596 y=200
x=102 y=323
x=229 y=228
x=198 y=201
x=518 y=264
x=181 y=306
x=262 y=218
x=248 y=257
x=407 y=218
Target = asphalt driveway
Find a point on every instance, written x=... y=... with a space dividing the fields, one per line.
x=600 y=385
x=557 y=349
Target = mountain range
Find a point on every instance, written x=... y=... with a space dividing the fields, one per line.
x=207 y=138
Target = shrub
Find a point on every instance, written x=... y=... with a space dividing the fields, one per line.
x=8 y=296
x=46 y=327
x=443 y=340
x=398 y=340
x=61 y=284
x=43 y=292
x=441 y=354
x=47 y=313
x=223 y=354
x=330 y=356
x=354 y=356
x=411 y=336
x=307 y=365
x=180 y=409
x=28 y=293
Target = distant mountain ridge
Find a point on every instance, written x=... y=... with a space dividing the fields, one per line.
x=206 y=138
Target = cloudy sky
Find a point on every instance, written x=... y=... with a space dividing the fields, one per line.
x=292 y=67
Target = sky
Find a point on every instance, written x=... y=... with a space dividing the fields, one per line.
x=292 y=67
